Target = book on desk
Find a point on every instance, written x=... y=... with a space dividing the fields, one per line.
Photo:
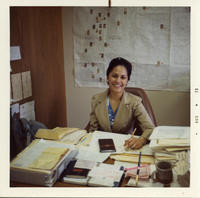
x=75 y=172
x=106 y=145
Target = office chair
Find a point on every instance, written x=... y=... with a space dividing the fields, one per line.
x=145 y=101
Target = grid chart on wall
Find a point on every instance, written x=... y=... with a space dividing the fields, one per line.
x=156 y=40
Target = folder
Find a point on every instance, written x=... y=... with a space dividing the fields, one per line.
x=54 y=134
x=128 y=157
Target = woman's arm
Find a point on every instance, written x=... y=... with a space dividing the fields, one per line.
x=143 y=120
x=94 y=124
x=145 y=123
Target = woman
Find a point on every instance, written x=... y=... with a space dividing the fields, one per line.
x=115 y=110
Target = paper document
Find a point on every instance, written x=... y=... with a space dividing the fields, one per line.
x=161 y=132
x=105 y=175
x=74 y=137
x=16 y=83
x=15 y=53
x=26 y=84
x=27 y=110
x=85 y=141
x=85 y=153
x=174 y=141
x=87 y=164
x=126 y=157
x=119 y=140
x=82 y=181
x=14 y=108
x=167 y=145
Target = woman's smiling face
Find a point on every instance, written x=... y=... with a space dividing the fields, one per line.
x=118 y=79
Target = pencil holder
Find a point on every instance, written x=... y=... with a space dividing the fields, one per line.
x=163 y=173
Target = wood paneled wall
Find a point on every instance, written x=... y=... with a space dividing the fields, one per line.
x=38 y=32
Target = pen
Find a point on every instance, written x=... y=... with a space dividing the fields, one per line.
x=132 y=135
x=83 y=139
x=138 y=169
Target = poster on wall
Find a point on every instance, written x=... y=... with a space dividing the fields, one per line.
x=156 y=40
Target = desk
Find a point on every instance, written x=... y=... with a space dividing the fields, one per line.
x=64 y=184
x=109 y=161
x=57 y=184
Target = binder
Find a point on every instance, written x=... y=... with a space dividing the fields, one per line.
x=20 y=170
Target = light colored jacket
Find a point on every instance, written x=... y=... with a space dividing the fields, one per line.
x=130 y=109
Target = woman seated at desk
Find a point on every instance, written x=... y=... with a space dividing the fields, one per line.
x=115 y=110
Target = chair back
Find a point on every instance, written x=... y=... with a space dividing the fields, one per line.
x=145 y=101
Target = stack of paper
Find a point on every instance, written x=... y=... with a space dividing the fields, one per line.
x=66 y=135
x=76 y=137
x=168 y=142
x=129 y=157
x=54 y=134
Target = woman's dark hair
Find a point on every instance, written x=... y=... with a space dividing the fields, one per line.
x=119 y=61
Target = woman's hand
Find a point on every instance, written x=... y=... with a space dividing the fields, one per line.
x=135 y=143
